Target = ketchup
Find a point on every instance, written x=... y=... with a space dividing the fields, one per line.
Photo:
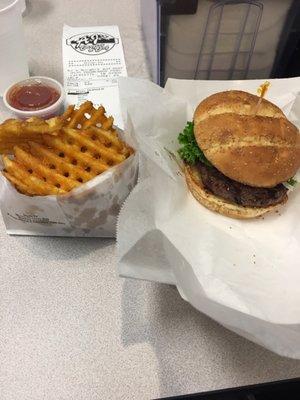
x=32 y=97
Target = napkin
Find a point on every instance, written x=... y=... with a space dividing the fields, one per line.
x=243 y=274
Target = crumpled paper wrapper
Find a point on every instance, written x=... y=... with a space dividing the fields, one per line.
x=243 y=274
x=90 y=210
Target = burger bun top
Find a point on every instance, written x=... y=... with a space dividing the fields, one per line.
x=254 y=145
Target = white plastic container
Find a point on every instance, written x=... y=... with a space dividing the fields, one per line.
x=47 y=112
x=13 y=59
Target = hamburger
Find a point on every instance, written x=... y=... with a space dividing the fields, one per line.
x=240 y=154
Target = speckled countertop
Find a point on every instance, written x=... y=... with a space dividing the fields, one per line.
x=70 y=329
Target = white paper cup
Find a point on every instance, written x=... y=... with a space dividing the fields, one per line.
x=13 y=64
x=47 y=112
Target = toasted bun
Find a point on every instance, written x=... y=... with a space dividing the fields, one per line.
x=255 y=146
x=215 y=203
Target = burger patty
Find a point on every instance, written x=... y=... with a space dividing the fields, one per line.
x=236 y=192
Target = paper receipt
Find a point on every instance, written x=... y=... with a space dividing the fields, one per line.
x=93 y=59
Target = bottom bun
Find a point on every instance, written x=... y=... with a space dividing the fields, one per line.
x=217 y=204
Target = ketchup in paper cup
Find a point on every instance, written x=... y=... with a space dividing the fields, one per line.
x=37 y=96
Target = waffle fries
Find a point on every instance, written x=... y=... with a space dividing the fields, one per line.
x=86 y=116
x=64 y=158
x=15 y=132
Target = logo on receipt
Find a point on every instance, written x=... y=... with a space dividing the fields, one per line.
x=92 y=43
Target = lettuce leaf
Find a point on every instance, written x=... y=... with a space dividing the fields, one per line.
x=190 y=151
x=292 y=182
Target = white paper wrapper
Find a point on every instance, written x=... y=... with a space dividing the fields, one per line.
x=244 y=274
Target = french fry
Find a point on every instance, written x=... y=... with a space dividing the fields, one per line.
x=105 y=137
x=14 y=132
x=50 y=175
x=78 y=117
x=21 y=186
x=36 y=184
x=55 y=156
x=73 y=155
x=97 y=116
x=62 y=165
x=110 y=155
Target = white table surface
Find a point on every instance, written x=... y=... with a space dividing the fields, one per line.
x=70 y=329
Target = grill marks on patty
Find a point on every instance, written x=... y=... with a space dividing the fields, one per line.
x=236 y=192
